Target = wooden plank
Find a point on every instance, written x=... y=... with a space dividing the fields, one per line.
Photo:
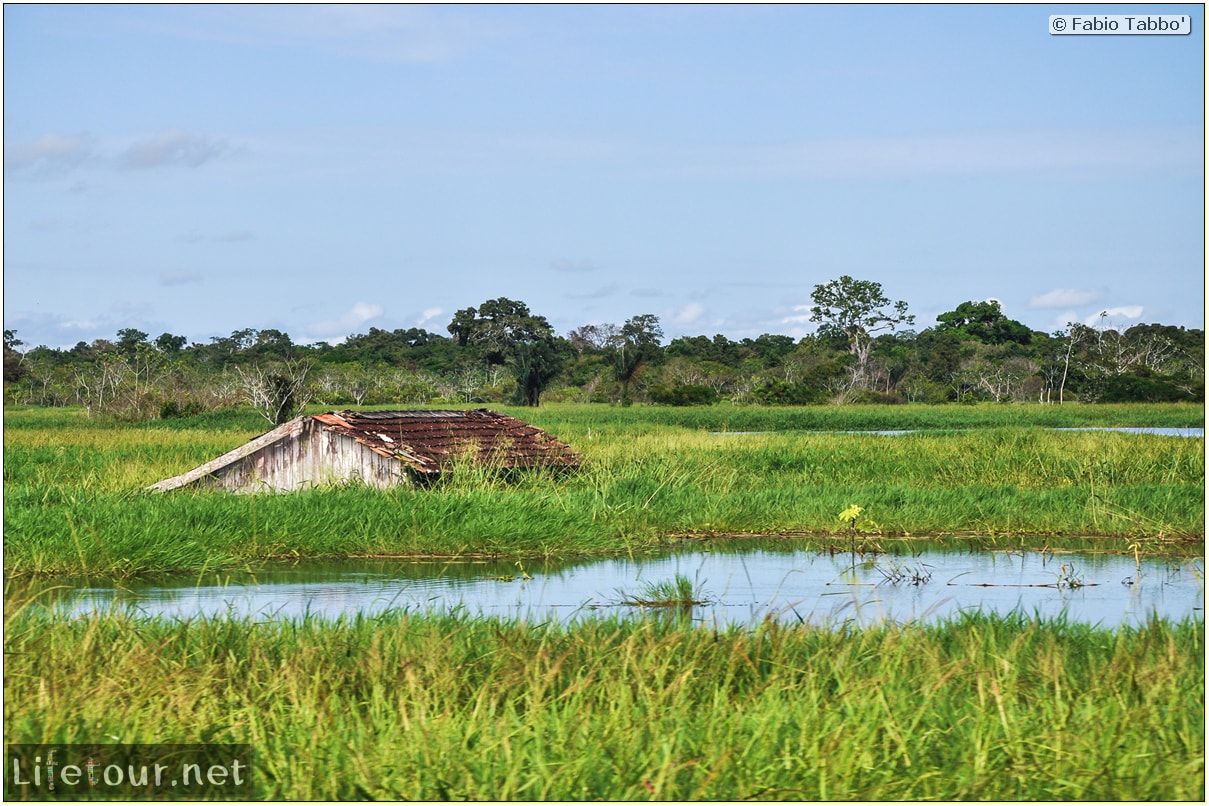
x=292 y=429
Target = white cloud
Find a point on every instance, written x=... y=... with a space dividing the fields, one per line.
x=54 y=153
x=334 y=330
x=686 y=314
x=173 y=147
x=1106 y=315
x=1063 y=320
x=427 y=315
x=51 y=152
x=800 y=318
x=62 y=332
x=364 y=311
x=1065 y=298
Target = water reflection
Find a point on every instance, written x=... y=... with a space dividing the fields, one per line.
x=742 y=587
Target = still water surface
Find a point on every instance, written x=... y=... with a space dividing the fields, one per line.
x=1190 y=433
x=741 y=586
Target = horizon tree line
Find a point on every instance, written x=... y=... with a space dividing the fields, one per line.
x=501 y=352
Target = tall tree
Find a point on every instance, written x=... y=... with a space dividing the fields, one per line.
x=495 y=326
x=534 y=364
x=592 y=337
x=856 y=309
x=506 y=332
x=12 y=358
x=169 y=344
x=129 y=339
x=633 y=346
x=984 y=322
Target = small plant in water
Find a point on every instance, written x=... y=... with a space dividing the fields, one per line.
x=1135 y=546
x=1067 y=578
x=677 y=592
x=524 y=577
x=848 y=518
x=855 y=524
x=898 y=574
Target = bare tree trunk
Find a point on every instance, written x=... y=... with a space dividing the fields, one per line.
x=279 y=395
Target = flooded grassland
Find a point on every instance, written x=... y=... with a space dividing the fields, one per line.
x=74 y=503
x=841 y=658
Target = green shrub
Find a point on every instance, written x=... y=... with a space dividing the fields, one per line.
x=687 y=395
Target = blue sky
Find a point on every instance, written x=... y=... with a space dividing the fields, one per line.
x=321 y=170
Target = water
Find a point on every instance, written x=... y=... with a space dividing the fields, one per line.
x=1191 y=433
x=741 y=587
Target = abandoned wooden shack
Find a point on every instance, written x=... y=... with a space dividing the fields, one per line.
x=378 y=449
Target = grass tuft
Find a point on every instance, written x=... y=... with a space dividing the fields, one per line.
x=679 y=592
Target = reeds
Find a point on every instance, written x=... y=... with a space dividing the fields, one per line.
x=73 y=500
x=399 y=706
x=679 y=593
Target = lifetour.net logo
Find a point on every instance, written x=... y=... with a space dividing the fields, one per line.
x=42 y=772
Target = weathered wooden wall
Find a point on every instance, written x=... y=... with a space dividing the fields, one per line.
x=308 y=456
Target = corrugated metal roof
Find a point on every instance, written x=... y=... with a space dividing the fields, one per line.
x=430 y=441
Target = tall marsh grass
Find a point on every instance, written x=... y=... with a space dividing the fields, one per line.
x=73 y=501
x=574 y=419
x=431 y=708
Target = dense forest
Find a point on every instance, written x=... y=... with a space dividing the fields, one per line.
x=865 y=350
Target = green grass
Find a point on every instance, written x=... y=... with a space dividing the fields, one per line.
x=74 y=504
x=432 y=708
x=576 y=419
x=678 y=592
x=404 y=706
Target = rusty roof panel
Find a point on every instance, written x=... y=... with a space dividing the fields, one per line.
x=430 y=441
x=427 y=442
